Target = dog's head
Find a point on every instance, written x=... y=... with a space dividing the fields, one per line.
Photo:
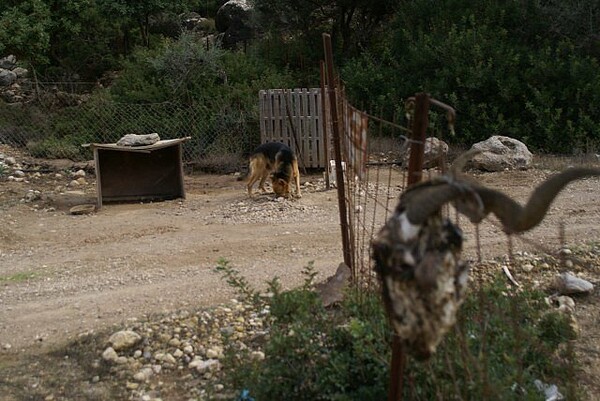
x=281 y=187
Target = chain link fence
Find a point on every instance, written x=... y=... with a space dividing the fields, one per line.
x=57 y=124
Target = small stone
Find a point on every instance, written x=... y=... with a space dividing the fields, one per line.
x=214 y=353
x=143 y=375
x=10 y=160
x=257 y=355
x=567 y=284
x=178 y=353
x=131 y=386
x=566 y=304
x=79 y=173
x=122 y=360
x=169 y=359
x=110 y=355
x=205 y=366
x=95 y=379
x=124 y=339
x=527 y=267
x=19 y=173
x=188 y=349
x=81 y=181
x=74 y=183
x=195 y=362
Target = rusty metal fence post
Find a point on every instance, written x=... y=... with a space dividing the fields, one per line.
x=331 y=88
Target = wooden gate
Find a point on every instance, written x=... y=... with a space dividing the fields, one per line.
x=295 y=117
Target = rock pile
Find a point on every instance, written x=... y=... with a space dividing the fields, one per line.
x=12 y=77
x=41 y=183
x=193 y=344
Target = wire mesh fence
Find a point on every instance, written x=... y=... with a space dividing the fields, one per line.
x=55 y=128
x=491 y=342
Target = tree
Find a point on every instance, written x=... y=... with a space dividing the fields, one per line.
x=139 y=13
x=353 y=22
x=24 y=29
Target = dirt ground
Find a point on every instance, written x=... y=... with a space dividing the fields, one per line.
x=63 y=275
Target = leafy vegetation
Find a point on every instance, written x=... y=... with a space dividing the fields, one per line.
x=502 y=343
x=526 y=69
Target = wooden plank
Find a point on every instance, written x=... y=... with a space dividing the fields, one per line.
x=263 y=116
x=306 y=114
x=297 y=118
x=316 y=104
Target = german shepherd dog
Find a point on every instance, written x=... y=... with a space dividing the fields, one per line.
x=280 y=161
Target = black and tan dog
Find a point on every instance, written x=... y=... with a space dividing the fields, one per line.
x=278 y=160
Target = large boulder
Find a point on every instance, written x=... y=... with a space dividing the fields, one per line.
x=434 y=152
x=7 y=77
x=500 y=153
x=8 y=62
x=234 y=21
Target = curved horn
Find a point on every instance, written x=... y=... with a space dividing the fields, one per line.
x=516 y=218
x=423 y=200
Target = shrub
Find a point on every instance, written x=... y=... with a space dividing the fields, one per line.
x=498 y=64
x=500 y=345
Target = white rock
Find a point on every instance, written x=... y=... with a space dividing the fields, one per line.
x=110 y=355
x=124 y=339
x=257 y=355
x=567 y=283
x=206 y=366
x=527 y=267
x=566 y=304
x=79 y=173
x=170 y=359
x=195 y=362
x=214 y=353
x=10 y=160
x=138 y=140
x=500 y=153
x=143 y=375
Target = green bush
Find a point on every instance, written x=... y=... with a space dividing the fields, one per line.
x=500 y=345
x=497 y=63
x=222 y=86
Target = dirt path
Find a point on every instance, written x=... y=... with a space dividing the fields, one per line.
x=65 y=275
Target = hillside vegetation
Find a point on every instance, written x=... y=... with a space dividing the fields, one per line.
x=527 y=69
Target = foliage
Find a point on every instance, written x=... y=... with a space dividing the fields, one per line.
x=498 y=63
x=526 y=69
x=137 y=14
x=501 y=344
x=24 y=29
x=297 y=26
x=223 y=85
